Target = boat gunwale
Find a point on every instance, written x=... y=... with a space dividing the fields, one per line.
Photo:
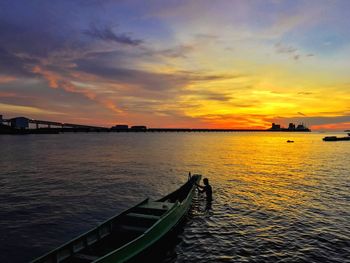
x=176 y=205
x=85 y=234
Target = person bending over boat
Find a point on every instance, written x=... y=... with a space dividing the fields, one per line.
x=208 y=192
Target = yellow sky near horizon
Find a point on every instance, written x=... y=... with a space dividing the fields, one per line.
x=230 y=64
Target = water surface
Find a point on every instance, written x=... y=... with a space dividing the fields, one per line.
x=273 y=201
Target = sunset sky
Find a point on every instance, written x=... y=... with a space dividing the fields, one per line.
x=195 y=64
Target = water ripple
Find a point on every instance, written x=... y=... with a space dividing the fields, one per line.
x=273 y=202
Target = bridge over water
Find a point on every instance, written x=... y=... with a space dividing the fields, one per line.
x=22 y=125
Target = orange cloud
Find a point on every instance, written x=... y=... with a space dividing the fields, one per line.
x=7 y=94
x=51 y=77
x=233 y=121
x=332 y=126
x=57 y=81
x=6 y=79
x=112 y=106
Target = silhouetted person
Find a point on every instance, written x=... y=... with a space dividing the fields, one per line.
x=208 y=192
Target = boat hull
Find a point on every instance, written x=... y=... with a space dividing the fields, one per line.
x=157 y=232
x=127 y=235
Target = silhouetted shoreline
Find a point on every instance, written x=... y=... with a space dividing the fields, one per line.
x=21 y=125
x=88 y=130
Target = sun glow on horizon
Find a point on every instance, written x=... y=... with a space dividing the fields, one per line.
x=231 y=64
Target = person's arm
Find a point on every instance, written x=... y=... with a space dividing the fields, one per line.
x=199 y=186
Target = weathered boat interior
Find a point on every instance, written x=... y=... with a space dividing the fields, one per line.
x=123 y=229
x=118 y=231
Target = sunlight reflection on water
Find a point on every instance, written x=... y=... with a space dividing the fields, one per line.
x=273 y=201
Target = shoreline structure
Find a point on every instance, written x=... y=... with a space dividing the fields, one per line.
x=23 y=125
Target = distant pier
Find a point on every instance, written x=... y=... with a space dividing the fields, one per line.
x=22 y=125
x=201 y=130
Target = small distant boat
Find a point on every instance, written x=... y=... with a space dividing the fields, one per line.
x=290 y=141
x=335 y=138
x=127 y=235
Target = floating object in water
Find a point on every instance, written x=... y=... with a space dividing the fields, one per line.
x=125 y=236
x=290 y=141
x=335 y=138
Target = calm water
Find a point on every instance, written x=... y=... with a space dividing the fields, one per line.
x=273 y=201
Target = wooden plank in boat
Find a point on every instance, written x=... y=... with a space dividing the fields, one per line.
x=157 y=205
x=143 y=216
x=133 y=228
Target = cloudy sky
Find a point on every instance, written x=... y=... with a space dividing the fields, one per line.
x=193 y=63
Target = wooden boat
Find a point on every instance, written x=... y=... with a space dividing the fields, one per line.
x=125 y=236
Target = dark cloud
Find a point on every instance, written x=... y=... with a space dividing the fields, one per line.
x=32 y=94
x=210 y=95
x=293 y=52
x=106 y=33
x=47 y=35
x=281 y=48
x=296 y=57
x=147 y=80
x=16 y=65
x=140 y=106
x=218 y=97
x=157 y=55
x=200 y=76
x=180 y=51
x=304 y=93
x=235 y=116
x=36 y=35
x=144 y=79
x=289 y=50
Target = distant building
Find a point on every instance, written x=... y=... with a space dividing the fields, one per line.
x=291 y=127
x=301 y=127
x=275 y=127
x=19 y=123
x=120 y=127
x=138 y=127
x=4 y=124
